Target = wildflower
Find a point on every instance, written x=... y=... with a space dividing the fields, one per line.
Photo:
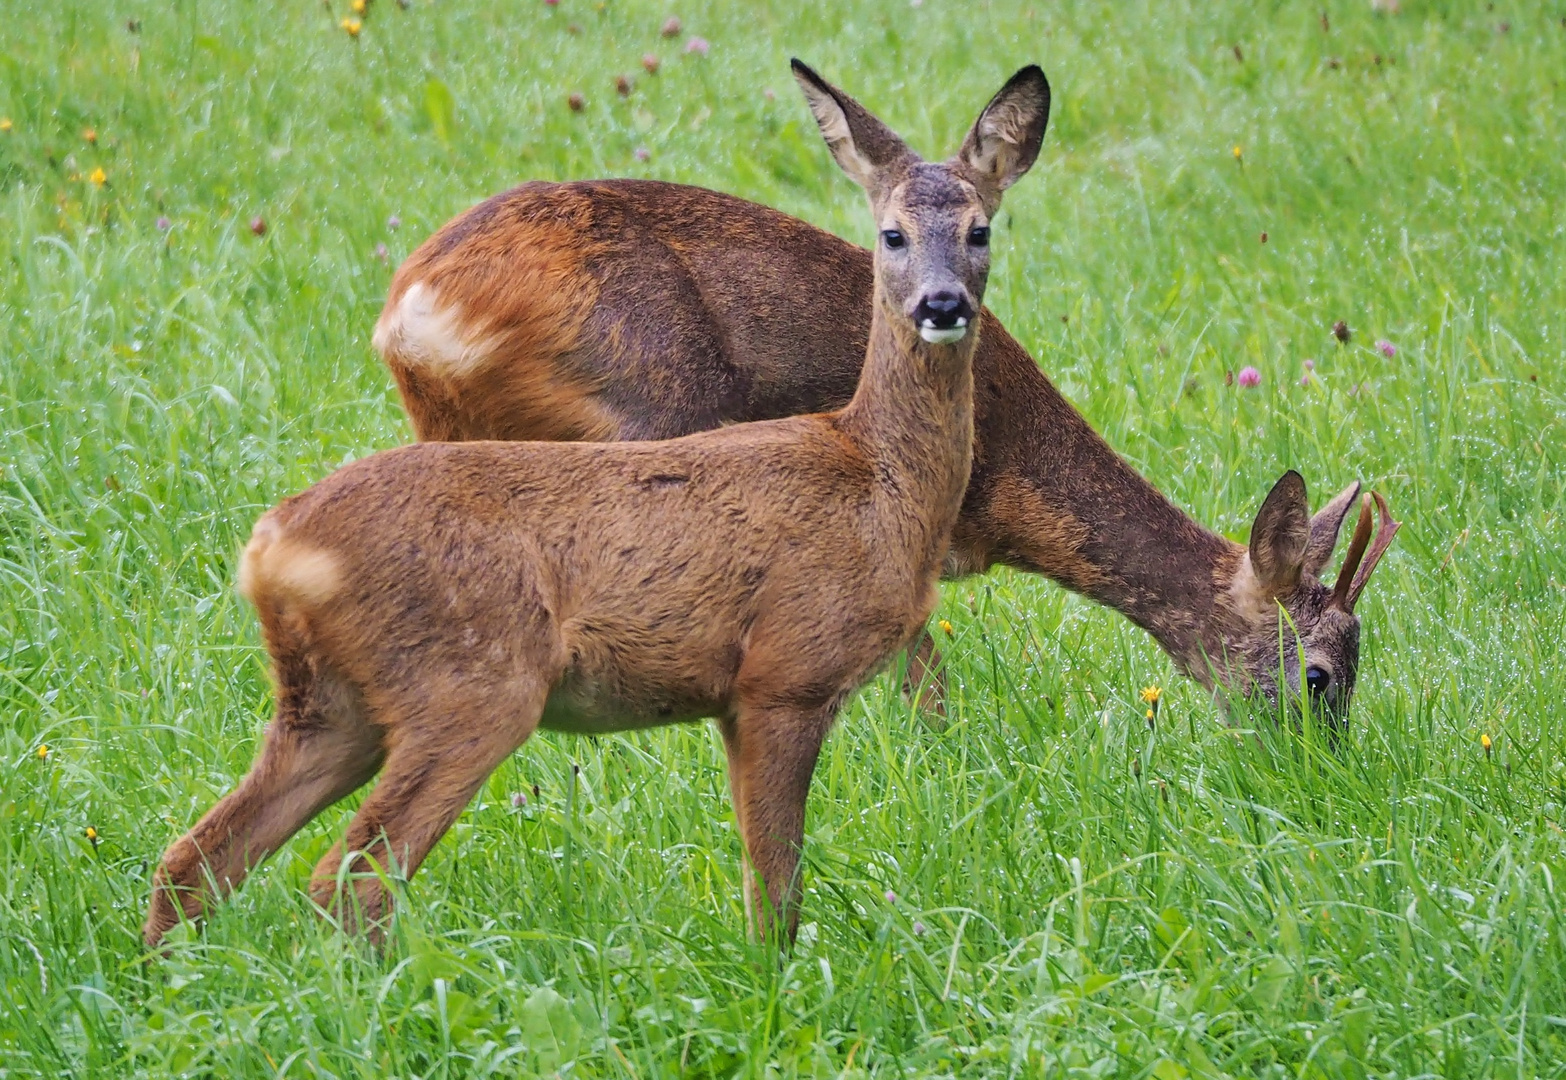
x=891 y=897
x=641 y=153
x=1249 y=377
x=918 y=928
x=650 y=63
x=359 y=6
x=164 y=224
x=671 y=27
x=258 y=225
x=1310 y=365
x=1305 y=379
x=5 y=123
x=622 y=85
x=518 y=800
x=551 y=3
x=1484 y=741
x=1152 y=694
x=92 y=834
x=769 y=94
x=89 y=136
x=698 y=45
x=352 y=26
x=946 y=627
x=380 y=252
x=98 y=177
x=394 y=223
x=1341 y=331
x=44 y=751
x=1386 y=348
x=1264 y=236
x=576 y=102
x=1239 y=155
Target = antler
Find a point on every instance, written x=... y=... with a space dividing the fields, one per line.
x=1341 y=596
x=1384 y=537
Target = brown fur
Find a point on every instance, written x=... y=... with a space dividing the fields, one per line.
x=713 y=310
x=428 y=607
x=539 y=309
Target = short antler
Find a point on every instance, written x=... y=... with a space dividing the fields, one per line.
x=1356 y=551
x=1358 y=564
x=1384 y=537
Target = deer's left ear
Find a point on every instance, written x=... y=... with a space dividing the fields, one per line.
x=1325 y=526
x=1004 y=142
x=1280 y=535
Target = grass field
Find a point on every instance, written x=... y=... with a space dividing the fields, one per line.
x=1006 y=896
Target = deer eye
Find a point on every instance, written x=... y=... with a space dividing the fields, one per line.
x=1317 y=680
x=979 y=236
x=893 y=239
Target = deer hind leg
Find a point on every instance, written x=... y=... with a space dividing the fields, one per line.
x=438 y=760
x=772 y=753
x=318 y=748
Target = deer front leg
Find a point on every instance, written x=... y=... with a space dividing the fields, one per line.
x=772 y=753
x=924 y=682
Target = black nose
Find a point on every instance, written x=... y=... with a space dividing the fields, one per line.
x=943 y=310
x=1317 y=681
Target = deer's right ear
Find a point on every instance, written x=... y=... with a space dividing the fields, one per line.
x=1280 y=535
x=862 y=145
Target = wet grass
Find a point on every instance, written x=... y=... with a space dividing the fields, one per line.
x=1046 y=887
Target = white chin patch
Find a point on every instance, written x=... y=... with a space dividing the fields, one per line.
x=937 y=336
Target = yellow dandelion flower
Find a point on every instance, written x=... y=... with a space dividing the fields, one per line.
x=1149 y=716
x=5 y=123
x=1484 y=741
x=945 y=626
x=89 y=135
x=98 y=177
x=353 y=26
x=43 y=751
x=1152 y=694
x=359 y=6
x=1238 y=153
x=92 y=834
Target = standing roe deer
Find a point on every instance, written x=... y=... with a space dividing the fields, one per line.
x=428 y=607
x=631 y=309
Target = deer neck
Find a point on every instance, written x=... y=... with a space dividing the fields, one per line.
x=1054 y=498
x=912 y=416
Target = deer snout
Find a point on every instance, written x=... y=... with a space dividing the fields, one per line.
x=942 y=317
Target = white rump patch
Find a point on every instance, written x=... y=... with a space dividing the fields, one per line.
x=418 y=332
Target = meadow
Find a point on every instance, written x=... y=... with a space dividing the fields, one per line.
x=201 y=205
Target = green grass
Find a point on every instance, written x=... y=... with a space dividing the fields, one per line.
x=1243 y=906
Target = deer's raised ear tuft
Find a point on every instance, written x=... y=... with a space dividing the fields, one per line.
x=1325 y=527
x=1280 y=535
x=1004 y=142
x=866 y=149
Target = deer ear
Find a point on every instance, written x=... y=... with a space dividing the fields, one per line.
x=1325 y=526
x=865 y=148
x=1280 y=534
x=1004 y=142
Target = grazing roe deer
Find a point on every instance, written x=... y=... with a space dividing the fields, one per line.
x=427 y=607
x=630 y=309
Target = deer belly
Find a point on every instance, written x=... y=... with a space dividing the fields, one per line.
x=592 y=707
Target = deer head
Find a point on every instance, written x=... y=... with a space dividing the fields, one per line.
x=1290 y=623
x=932 y=257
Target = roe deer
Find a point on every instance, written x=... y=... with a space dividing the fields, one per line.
x=427 y=607
x=630 y=309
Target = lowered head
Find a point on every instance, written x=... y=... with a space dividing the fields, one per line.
x=932 y=254
x=1287 y=622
